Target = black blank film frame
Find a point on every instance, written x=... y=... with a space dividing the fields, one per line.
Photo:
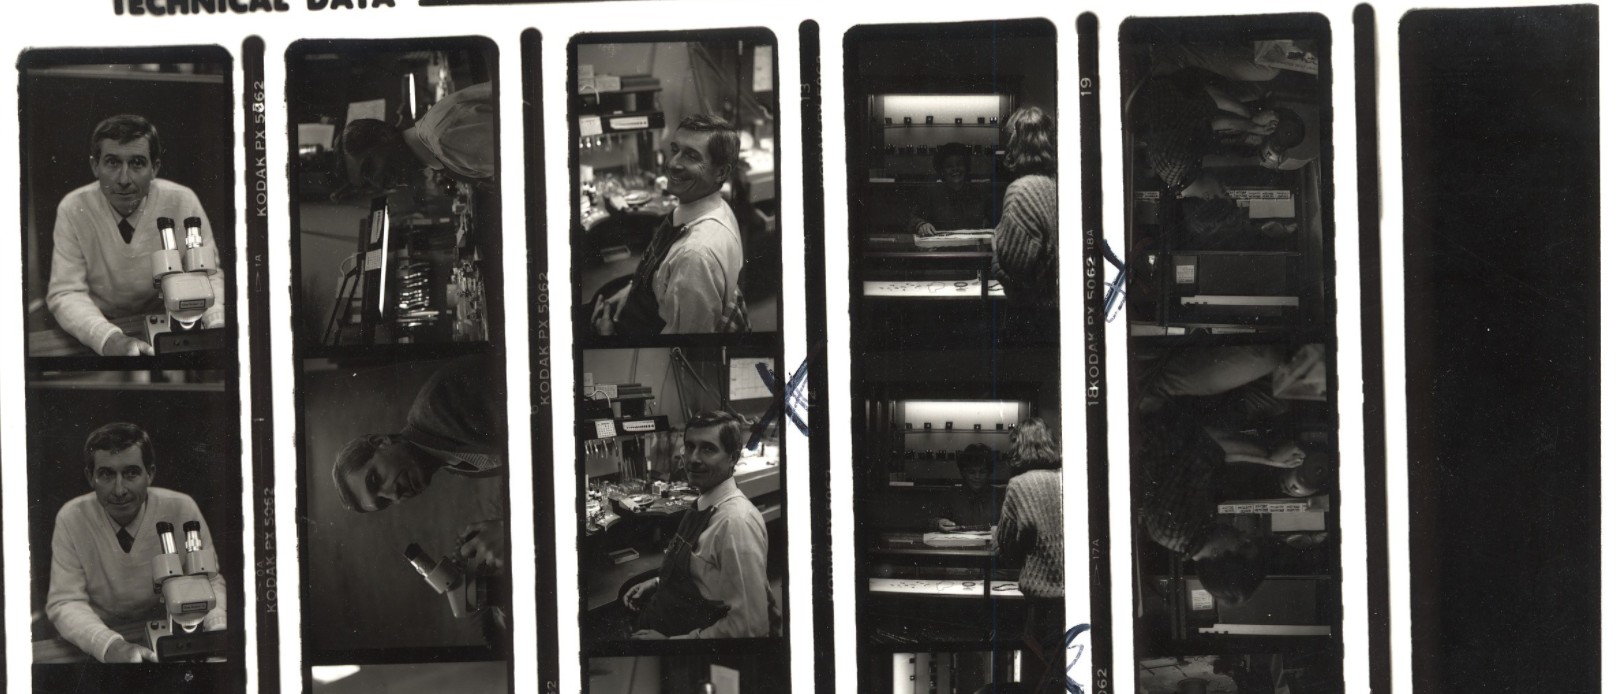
x=1501 y=242
x=92 y=676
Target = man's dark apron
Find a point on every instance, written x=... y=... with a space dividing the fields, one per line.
x=640 y=315
x=677 y=607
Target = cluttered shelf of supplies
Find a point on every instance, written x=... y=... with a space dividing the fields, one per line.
x=408 y=265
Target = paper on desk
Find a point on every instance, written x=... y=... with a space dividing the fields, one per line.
x=971 y=539
x=1265 y=204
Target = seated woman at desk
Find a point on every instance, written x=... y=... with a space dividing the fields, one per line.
x=1179 y=459
x=1182 y=117
x=973 y=506
x=1213 y=221
x=1025 y=248
x=953 y=203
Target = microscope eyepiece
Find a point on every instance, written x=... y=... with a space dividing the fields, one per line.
x=166 y=536
x=412 y=551
x=166 y=229
x=194 y=232
x=192 y=526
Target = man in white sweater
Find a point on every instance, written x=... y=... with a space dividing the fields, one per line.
x=106 y=232
x=103 y=545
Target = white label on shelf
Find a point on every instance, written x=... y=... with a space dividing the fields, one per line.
x=590 y=125
x=607 y=83
x=1186 y=273
x=628 y=123
x=605 y=428
x=641 y=425
x=1201 y=600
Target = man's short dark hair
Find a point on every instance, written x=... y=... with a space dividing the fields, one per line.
x=354 y=455
x=949 y=150
x=1232 y=577
x=366 y=135
x=732 y=428
x=124 y=129
x=1291 y=130
x=114 y=438
x=975 y=455
x=723 y=141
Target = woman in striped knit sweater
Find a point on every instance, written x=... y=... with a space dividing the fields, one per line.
x=1025 y=249
x=1030 y=535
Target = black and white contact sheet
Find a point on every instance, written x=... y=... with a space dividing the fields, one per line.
x=529 y=346
x=133 y=439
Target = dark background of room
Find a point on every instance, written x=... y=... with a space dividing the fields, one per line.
x=443 y=233
x=360 y=592
x=189 y=103
x=191 y=418
x=655 y=383
x=666 y=82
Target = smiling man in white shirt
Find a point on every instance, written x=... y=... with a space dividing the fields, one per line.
x=712 y=584
x=687 y=280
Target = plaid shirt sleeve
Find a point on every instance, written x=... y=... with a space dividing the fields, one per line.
x=1178 y=466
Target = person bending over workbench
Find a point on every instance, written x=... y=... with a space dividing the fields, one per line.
x=457 y=136
x=457 y=425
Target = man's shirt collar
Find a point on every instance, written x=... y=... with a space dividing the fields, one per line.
x=689 y=212
x=134 y=527
x=727 y=489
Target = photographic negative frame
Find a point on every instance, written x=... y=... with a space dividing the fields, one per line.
x=190 y=90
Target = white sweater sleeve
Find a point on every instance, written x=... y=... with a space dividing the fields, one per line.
x=68 y=294
x=67 y=604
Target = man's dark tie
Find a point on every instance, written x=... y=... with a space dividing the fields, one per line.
x=128 y=232
x=125 y=540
